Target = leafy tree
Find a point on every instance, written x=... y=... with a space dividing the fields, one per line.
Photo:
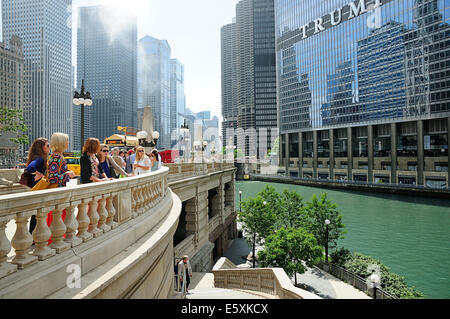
x=256 y=218
x=11 y=120
x=288 y=249
x=317 y=212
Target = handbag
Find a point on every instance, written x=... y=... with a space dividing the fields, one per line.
x=26 y=179
x=44 y=184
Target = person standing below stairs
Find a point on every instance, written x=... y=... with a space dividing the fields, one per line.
x=185 y=272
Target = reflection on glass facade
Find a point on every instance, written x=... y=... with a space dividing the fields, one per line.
x=369 y=61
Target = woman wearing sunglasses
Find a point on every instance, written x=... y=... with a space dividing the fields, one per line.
x=142 y=163
x=108 y=164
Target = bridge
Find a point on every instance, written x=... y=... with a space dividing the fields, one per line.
x=120 y=238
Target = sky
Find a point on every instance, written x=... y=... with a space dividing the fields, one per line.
x=192 y=29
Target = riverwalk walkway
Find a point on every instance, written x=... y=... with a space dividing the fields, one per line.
x=313 y=280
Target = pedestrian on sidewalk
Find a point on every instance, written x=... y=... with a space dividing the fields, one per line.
x=185 y=273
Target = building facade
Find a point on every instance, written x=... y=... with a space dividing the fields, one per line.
x=107 y=62
x=154 y=84
x=249 y=86
x=11 y=93
x=364 y=90
x=177 y=99
x=46 y=31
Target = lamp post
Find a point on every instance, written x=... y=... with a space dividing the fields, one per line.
x=82 y=99
x=327 y=222
x=143 y=137
x=240 y=198
x=374 y=280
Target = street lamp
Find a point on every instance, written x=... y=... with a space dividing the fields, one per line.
x=327 y=222
x=143 y=139
x=374 y=281
x=82 y=99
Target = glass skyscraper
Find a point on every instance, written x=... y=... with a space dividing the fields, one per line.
x=107 y=62
x=154 y=84
x=177 y=99
x=364 y=89
x=45 y=28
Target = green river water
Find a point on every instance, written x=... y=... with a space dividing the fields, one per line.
x=410 y=235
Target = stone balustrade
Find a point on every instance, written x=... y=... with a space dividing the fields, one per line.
x=272 y=281
x=93 y=211
x=185 y=170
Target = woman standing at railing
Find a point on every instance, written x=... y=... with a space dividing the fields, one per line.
x=156 y=160
x=91 y=170
x=142 y=163
x=108 y=164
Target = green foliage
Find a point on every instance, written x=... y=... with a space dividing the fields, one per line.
x=256 y=218
x=11 y=120
x=390 y=282
x=287 y=248
x=340 y=256
x=317 y=211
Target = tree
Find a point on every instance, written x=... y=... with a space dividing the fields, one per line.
x=288 y=248
x=317 y=211
x=257 y=221
x=11 y=121
x=288 y=207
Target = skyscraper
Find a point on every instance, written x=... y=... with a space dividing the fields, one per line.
x=107 y=62
x=154 y=84
x=177 y=98
x=46 y=31
x=377 y=108
x=250 y=45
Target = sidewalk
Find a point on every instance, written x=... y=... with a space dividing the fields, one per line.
x=313 y=280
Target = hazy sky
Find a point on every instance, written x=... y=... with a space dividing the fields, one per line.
x=192 y=28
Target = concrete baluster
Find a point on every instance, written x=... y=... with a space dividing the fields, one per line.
x=140 y=199
x=6 y=268
x=83 y=221
x=22 y=241
x=133 y=203
x=58 y=229
x=111 y=211
x=94 y=217
x=145 y=190
x=41 y=235
x=72 y=226
x=103 y=213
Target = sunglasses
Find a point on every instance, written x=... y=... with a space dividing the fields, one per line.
x=141 y=151
x=105 y=151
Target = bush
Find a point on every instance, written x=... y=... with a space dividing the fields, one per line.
x=340 y=256
x=390 y=282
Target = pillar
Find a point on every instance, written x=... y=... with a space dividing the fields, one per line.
x=370 y=153
x=331 y=157
x=349 y=154
x=393 y=153
x=315 y=154
x=300 y=154
x=286 y=152
x=420 y=153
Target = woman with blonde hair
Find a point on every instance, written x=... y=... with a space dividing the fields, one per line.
x=142 y=163
x=56 y=165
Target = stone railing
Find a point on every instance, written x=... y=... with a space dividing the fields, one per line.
x=272 y=281
x=185 y=170
x=102 y=219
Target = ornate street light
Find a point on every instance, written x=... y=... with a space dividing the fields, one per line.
x=143 y=139
x=327 y=222
x=374 y=281
x=82 y=99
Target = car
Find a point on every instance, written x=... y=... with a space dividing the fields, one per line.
x=73 y=164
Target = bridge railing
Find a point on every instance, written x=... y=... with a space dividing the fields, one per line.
x=91 y=211
x=184 y=170
x=272 y=281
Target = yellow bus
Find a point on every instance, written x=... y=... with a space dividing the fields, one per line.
x=73 y=163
